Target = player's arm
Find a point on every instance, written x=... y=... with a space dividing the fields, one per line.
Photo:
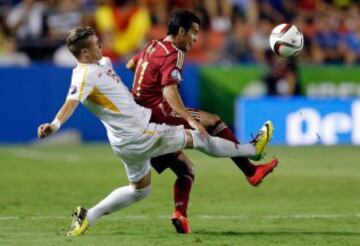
x=62 y=116
x=172 y=96
x=131 y=65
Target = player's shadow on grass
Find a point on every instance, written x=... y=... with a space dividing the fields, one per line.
x=277 y=233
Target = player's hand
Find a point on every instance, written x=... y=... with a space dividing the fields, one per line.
x=46 y=129
x=200 y=128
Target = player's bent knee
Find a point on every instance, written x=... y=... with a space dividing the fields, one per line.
x=215 y=119
x=189 y=139
x=192 y=172
x=140 y=194
x=190 y=175
x=188 y=170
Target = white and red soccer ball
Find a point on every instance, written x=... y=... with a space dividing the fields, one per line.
x=286 y=40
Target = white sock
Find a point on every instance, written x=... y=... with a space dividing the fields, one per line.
x=219 y=147
x=118 y=199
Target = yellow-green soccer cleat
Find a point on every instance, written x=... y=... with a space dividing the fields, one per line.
x=261 y=140
x=79 y=222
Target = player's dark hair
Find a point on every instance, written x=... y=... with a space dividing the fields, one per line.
x=181 y=18
x=77 y=39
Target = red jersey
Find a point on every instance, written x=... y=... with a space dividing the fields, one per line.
x=158 y=65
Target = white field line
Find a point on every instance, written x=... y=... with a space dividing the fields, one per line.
x=43 y=155
x=222 y=217
x=312 y=216
x=203 y=217
x=9 y=218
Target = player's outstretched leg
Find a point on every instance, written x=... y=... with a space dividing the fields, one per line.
x=118 y=199
x=261 y=171
x=260 y=142
x=254 y=173
x=220 y=129
x=219 y=147
x=79 y=222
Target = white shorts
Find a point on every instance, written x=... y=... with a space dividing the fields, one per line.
x=155 y=141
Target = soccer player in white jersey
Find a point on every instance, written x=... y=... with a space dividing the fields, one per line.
x=133 y=139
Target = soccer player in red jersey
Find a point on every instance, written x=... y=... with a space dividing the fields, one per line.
x=157 y=77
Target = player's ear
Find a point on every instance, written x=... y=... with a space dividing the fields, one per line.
x=182 y=31
x=84 y=51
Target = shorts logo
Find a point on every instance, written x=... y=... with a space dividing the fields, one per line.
x=175 y=74
x=73 y=89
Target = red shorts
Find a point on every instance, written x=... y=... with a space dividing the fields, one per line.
x=165 y=114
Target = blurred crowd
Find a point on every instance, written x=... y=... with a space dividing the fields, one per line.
x=232 y=31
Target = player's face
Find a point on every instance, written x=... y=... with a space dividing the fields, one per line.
x=190 y=37
x=94 y=50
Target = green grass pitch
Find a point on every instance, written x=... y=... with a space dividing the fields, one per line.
x=312 y=198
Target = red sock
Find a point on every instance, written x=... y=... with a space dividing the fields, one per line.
x=182 y=189
x=222 y=130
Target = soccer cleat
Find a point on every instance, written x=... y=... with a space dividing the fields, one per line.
x=261 y=140
x=79 y=222
x=261 y=171
x=180 y=222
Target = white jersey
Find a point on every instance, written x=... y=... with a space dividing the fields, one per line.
x=101 y=90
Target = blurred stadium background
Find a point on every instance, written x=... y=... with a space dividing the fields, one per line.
x=312 y=100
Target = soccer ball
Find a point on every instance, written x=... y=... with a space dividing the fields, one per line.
x=286 y=40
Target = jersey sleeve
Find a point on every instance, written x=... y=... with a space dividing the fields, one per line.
x=81 y=86
x=105 y=61
x=136 y=58
x=172 y=68
x=140 y=54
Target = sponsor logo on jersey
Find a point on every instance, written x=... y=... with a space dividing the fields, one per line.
x=73 y=89
x=113 y=75
x=175 y=74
